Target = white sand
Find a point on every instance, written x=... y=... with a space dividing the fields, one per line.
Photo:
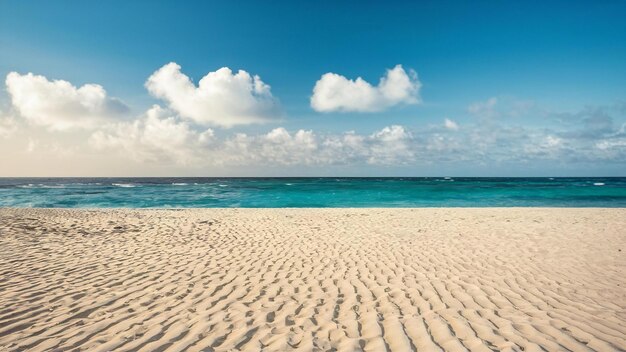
x=313 y=279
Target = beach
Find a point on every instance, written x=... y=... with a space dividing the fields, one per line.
x=348 y=279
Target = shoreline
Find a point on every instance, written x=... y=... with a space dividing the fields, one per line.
x=280 y=279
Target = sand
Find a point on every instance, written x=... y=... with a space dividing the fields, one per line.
x=313 y=279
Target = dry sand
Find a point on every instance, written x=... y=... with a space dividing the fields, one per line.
x=313 y=279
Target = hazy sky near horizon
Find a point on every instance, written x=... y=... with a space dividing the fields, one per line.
x=325 y=88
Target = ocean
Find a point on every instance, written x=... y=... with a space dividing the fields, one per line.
x=312 y=192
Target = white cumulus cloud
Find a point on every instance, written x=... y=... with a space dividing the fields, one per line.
x=58 y=105
x=277 y=147
x=157 y=136
x=391 y=145
x=334 y=92
x=388 y=146
x=451 y=125
x=222 y=98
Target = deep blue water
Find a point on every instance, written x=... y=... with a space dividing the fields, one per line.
x=312 y=192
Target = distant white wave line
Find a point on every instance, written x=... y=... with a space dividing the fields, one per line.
x=82 y=184
x=598 y=184
x=124 y=185
x=179 y=184
x=41 y=185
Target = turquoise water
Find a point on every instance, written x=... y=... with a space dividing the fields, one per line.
x=312 y=192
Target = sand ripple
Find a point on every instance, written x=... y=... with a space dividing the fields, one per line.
x=337 y=279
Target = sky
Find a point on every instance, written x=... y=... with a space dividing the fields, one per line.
x=324 y=88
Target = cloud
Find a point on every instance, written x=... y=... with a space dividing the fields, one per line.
x=58 y=105
x=8 y=124
x=484 y=109
x=157 y=137
x=31 y=146
x=498 y=107
x=51 y=149
x=7 y=127
x=334 y=92
x=178 y=134
x=160 y=136
x=222 y=98
x=597 y=123
x=388 y=146
x=590 y=123
x=451 y=125
x=277 y=147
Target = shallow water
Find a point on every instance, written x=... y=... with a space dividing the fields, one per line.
x=312 y=192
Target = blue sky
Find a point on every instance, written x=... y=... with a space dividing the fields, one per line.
x=551 y=68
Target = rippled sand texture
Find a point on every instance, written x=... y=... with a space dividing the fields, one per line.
x=338 y=279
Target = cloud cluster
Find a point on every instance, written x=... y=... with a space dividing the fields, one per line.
x=156 y=137
x=160 y=137
x=279 y=147
x=334 y=92
x=166 y=138
x=58 y=105
x=180 y=133
x=222 y=98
